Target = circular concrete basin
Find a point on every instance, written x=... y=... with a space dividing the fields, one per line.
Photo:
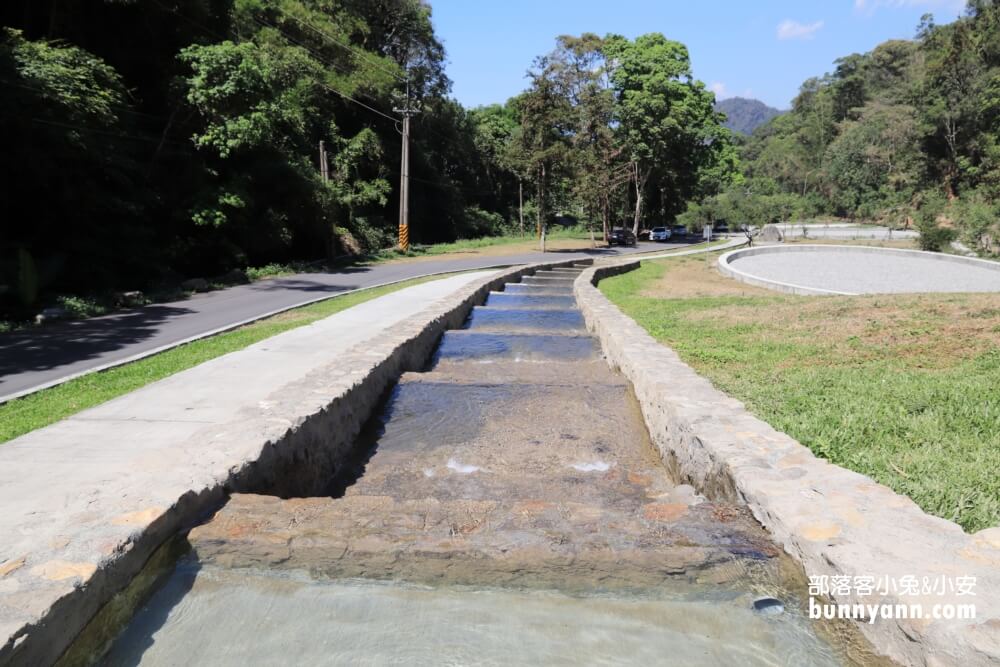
x=837 y=269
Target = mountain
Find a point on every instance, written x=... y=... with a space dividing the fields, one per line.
x=745 y=115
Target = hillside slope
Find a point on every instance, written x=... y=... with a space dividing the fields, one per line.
x=745 y=115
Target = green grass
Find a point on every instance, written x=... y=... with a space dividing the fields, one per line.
x=464 y=245
x=904 y=389
x=48 y=406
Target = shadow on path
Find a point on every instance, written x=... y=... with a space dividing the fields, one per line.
x=68 y=342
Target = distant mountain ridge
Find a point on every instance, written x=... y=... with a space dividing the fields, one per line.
x=745 y=115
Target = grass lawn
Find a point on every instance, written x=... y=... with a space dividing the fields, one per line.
x=45 y=407
x=903 y=388
x=559 y=239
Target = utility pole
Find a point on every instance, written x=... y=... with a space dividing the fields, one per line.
x=404 y=172
x=520 y=203
x=324 y=165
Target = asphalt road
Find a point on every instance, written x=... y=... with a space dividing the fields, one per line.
x=36 y=358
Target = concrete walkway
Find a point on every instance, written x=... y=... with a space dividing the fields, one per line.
x=69 y=491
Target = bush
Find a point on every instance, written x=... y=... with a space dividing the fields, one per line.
x=371 y=237
x=977 y=224
x=483 y=223
x=80 y=307
x=933 y=236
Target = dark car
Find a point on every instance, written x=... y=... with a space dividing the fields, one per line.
x=680 y=231
x=621 y=236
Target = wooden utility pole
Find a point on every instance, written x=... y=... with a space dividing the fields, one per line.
x=404 y=173
x=324 y=165
x=520 y=203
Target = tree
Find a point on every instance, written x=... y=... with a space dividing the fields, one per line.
x=667 y=120
x=874 y=163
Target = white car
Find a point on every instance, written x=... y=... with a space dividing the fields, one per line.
x=659 y=234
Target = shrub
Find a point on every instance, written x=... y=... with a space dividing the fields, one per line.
x=933 y=236
x=977 y=225
x=483 y=223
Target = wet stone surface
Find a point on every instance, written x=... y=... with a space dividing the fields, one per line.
x=467 y=347
x=526 y=320
x=517 y=466
x=529 y=301
x=555 y=289
x=518 y=458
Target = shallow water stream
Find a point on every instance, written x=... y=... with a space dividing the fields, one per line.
x=509 y=508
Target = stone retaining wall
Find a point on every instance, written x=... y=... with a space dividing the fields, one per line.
x=832 y=520
x=288 y=445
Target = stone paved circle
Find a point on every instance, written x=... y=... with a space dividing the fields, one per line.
x=859 y=270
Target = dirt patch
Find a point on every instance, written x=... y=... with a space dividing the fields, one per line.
x=530 y=244
x=697 y=276
x=923 y=330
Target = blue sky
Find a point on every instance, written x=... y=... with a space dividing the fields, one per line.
x=745 y=48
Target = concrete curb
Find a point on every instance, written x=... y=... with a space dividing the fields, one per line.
x=727 y=269
x=288 y=445
x=835 y=522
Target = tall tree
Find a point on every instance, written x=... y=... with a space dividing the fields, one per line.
x=666 y=117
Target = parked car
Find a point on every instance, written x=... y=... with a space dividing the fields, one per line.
x=680 y=230
x=659 y=234
x=621 y=236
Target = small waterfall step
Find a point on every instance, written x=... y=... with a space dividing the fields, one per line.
x=510 y=320
x=539 y=290
x=464 y=346
x=529 y=301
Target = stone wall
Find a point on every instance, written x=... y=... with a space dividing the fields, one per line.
x=832 y=520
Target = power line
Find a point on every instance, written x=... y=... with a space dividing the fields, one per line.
x=359 y=52
x=324 y=85
x=325 y=62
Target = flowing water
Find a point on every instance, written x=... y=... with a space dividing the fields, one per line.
x=508 y=508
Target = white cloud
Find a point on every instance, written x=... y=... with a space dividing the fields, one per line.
x=789 y=29
x=719 y=89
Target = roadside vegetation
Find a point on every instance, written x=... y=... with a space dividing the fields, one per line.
x=181 y=141
x=904 y=135
x=23 y=415
x=902 y=388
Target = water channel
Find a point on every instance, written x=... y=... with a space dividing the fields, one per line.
x=507 y=507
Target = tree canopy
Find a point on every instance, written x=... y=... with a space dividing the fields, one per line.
x=151 y=141
x=906 y=134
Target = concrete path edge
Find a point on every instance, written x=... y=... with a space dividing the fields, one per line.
x=833 y=521
x=309 y=429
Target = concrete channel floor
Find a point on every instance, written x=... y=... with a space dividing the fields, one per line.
x=66 y=490
x=518 y=464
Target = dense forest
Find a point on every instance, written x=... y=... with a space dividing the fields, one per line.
x=147 y=141
x=744 y=115
x=907 y=134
